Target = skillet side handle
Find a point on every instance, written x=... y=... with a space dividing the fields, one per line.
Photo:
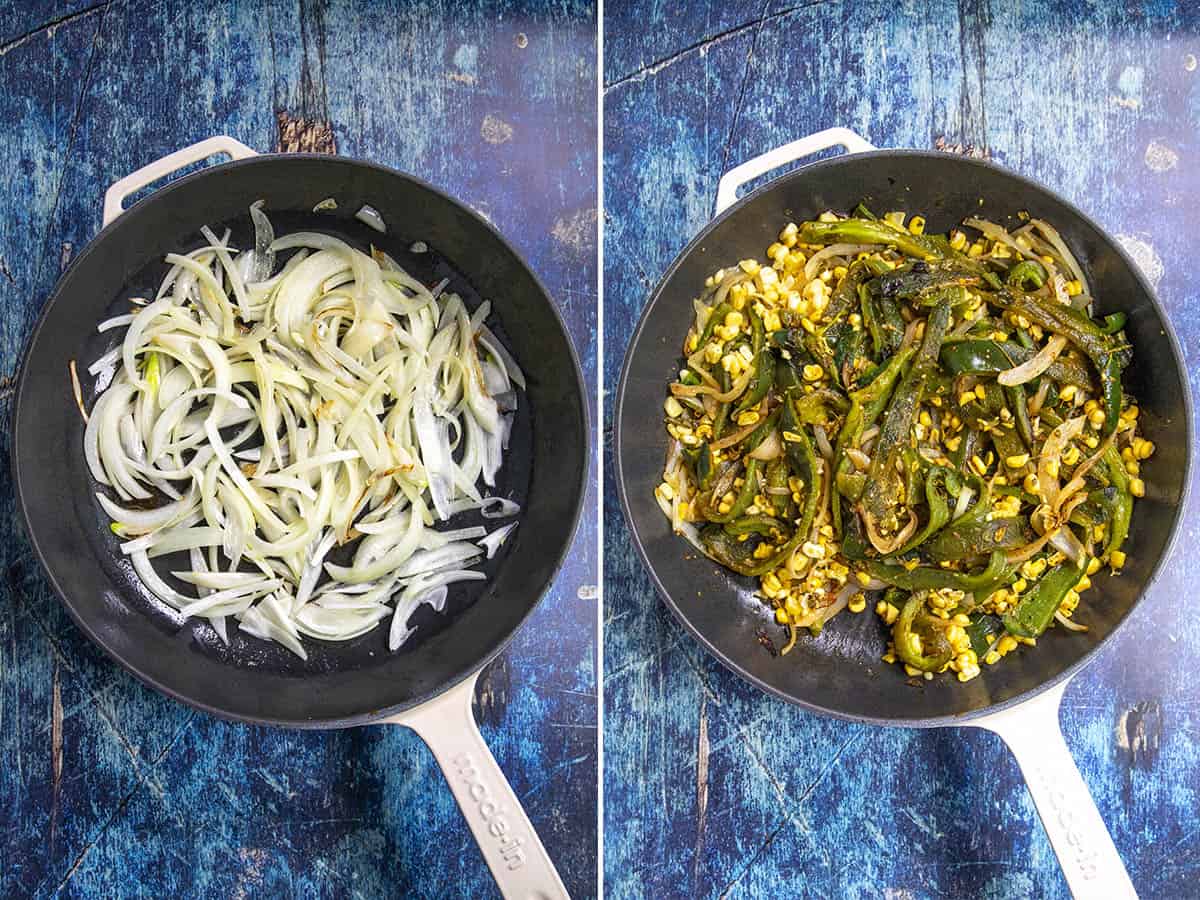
x=114 y=197
x=1085 y=850
x=518 y=861
x=728 y=186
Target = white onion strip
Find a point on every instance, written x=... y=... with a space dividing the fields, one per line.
x=256 y=416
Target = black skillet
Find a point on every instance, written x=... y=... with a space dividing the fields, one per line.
x=428 y=684
x=840 y=673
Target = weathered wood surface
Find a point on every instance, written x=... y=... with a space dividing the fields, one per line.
x=714 y=789
x=108 y=789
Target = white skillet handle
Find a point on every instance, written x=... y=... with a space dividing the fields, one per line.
x=519 y=862
x=728 y=186
x=114 y=197
x=1085 y=850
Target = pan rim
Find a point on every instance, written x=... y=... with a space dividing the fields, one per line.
x=366 y=717
x=950 y=719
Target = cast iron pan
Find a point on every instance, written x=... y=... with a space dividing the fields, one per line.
x=840 y=673
x=428 y=685
x=341 y=683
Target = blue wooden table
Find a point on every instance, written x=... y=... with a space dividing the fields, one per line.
x=108 y=789
x=714 y=789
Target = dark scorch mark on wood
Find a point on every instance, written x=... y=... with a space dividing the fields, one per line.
x=1139 y=731
x=300 y=135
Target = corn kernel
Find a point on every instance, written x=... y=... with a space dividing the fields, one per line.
x=1093 y=566
x=858 y=602
x=966 y=397
x=1137 y=487
x=673 y=408
x=812 y=551
x=1074 y=288
x=1116 y=560
x=813 y=372
x=1096 y=418
x=749 y=417
x=1031 y=484
x=1016 y=462
x=1067 y=393
x=916 y=225
x=958 y=240
x=734 y=319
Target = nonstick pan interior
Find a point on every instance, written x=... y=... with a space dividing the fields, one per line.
x=341 y=682
x=840 y=672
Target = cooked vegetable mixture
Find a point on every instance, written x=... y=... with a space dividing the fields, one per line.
x=934 y=421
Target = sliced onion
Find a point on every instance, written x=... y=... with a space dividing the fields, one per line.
x=1035 y=365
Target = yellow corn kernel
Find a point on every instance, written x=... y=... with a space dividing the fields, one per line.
x=992 y=658
x=858 y=602
x=1091 y=406
x=673 y=408
x=1143 y=449
x=976 y=249
x=978 y=465
x=1074 y=288
x=771 y=321
x=1052 y=467
x=1007 y=644
x=1096 y=418
x=1091 y=442
x=733 y=319
x=958 y=240
x=925 y=419
x=1133 y=468
x=1137 y=487
x=712 y=353
x=812 y=551
x=749 y=417
x=839 y=272
x=1071 y=455
x=916 y=225
x=1016 y=462
x=1031 y=483
x=966 y=397
x=813 y=372
x=1116 y=560
x=1067 y=393
x=952 y=443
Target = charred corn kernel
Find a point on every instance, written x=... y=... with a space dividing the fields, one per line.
x=1096 y=418
x=863 y=579
x=1067 y=393
x=1116 y=560
x=858 y=602
x=1074 y=288
x=1031 y=483
x=1033 y=568
x=839 y=272
x=1016 y=462
x=916 y=225
x=812 y=551
x=673 y=408
x=813 y=372
x=763 y=550
x=712 y=353
x=749 y=417
x=1137 y=487
x=958 y=240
